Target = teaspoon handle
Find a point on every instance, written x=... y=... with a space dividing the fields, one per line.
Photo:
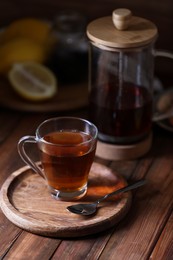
x=159 y=117
x=126 y=188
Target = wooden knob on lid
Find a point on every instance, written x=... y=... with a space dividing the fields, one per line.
x=111 y=31
x=121 y=18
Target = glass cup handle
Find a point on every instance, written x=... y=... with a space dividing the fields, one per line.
x=162 y=53
x=25 y=157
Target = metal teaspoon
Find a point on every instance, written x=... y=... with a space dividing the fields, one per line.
x=89 y=209
x=162 y=116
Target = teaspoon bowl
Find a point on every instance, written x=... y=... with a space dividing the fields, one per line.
x=89 y=209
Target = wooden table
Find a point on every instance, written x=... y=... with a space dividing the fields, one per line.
x=146 y=232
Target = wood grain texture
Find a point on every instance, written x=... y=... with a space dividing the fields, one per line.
x=28 y=243
x=139 y=33
x=150 y=207
x=146 y=231
x=153 y=201
x=12 y=128
x=26 y=202
x=163 y=249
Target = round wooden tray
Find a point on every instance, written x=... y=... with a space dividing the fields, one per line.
x=68 y=97
x=25 y=201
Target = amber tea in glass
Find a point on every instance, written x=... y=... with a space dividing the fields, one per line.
x=67 y=162
x=67 y=148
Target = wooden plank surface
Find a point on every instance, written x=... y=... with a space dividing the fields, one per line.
x=27 y=243
x=163 y=249
x=141 y=228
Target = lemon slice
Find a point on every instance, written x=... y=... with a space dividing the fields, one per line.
x=33 y=81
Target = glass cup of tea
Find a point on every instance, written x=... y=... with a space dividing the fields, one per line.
x=66 y=148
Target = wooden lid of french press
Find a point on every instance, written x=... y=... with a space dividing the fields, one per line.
x=122 y=30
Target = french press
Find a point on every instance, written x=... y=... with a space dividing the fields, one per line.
x=121 y=83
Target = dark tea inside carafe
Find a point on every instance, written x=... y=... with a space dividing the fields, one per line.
x=122 y=115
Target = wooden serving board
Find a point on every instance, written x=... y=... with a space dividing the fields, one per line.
x=68 y=97
x=26 y=202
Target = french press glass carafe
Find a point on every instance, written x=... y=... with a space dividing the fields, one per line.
x=121 y=76
x=121 y=82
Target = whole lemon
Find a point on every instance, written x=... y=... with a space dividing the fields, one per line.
x=31 y=28
x=18 y=50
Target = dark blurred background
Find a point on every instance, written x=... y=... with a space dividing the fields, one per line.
x=158 y=11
